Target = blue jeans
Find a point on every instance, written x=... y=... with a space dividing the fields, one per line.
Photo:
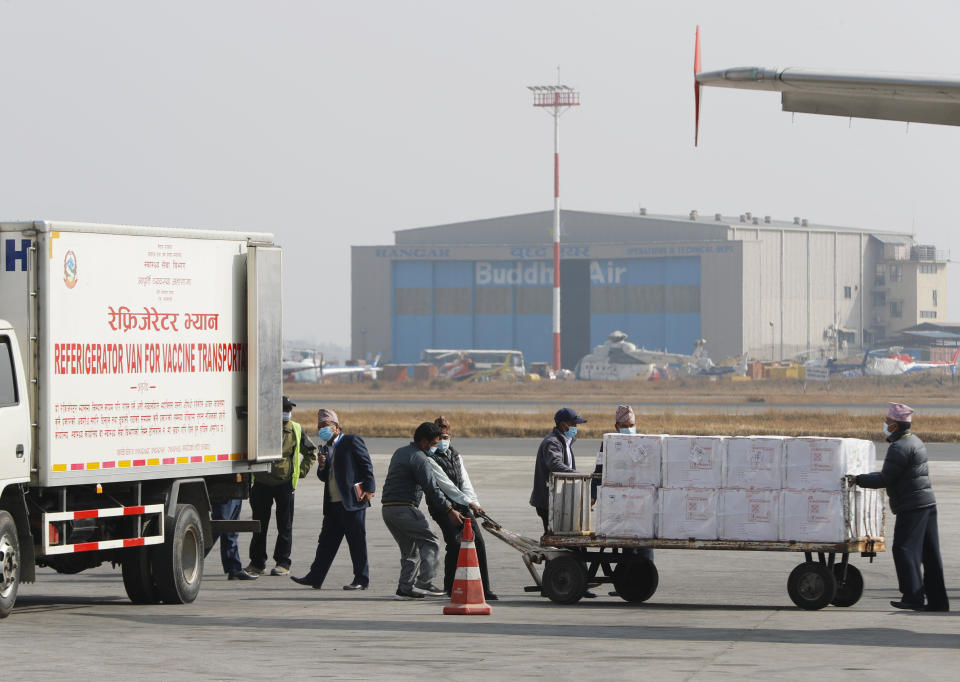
x=229 y=548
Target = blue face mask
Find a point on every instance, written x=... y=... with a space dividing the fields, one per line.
x=571 y=432
x=628 y=429
x=325 y=434
x=286 y=416
x=886 y=430
x=443 y=445
x=432 y=450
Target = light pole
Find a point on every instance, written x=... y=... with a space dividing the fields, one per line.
x=773 y=344
x=555 y=100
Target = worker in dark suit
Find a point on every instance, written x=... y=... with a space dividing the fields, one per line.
x=554 y=454
x=347 y=472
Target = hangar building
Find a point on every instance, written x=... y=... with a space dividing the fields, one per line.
x=744 y=283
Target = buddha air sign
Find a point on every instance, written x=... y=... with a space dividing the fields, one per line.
x=540 y=273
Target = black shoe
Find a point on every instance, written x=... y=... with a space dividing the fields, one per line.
x=354 y=586
x=304 y=581
x=589 y=595
x=408 y=594
x=928 y=607
x=614 y=594
x=906 y=605
x=491 y=596
x=241 y=575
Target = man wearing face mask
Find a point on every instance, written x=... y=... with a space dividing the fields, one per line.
x=452 y=477
x=347 y=472
x=409 y=478
x=916 y=543
x=554 y=454
x=276 y=487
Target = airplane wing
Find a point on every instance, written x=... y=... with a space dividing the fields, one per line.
x=887 y=96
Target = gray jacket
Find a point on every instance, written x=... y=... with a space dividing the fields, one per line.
x=550 y=457
x=905 y=474
x=409 y=477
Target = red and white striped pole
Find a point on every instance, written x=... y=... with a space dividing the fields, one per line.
x=555 y=99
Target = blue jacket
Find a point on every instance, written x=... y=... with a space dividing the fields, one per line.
x=351 y=464
x=550 y=457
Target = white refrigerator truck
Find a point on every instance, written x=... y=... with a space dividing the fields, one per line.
x=140 y=379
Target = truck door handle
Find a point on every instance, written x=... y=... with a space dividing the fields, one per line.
x=19 y=450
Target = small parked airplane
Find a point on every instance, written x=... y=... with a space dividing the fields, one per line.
x=310 y=367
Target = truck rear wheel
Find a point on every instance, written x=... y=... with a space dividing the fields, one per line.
x=178 y=563
x=9 y=564
x=138 y=577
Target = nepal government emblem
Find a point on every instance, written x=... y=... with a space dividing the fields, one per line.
x=70 y=270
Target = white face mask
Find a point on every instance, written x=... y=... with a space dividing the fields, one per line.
x=286 y=416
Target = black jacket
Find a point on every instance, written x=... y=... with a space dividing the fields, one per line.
x=550 y=457
x=905 y=474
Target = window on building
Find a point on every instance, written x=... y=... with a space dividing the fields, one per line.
x=934 y=298
x=928 y=314
x=879 y=299
x=928 y=268
x=896 y=272
x=848 y=292
x=896 y=308
x=879 y=278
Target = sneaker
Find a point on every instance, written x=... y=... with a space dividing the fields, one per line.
x=431 y=591
x=280 y=570
x=403 y=595
x=253 y=569
x=241 y=575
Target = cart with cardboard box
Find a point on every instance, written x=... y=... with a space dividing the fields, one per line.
x=578 y=551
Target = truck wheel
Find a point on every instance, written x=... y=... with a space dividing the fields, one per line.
x=850 y=590
x=138 y=577
x=811 y=585
x=178 y=562
x=9 y=564
x=565 y=579
x=636 y=581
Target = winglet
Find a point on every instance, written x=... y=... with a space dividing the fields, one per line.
x=696 y=89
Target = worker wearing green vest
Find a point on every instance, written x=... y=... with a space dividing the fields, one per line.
x=276 y=487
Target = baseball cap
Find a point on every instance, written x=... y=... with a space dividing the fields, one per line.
x=565 y=414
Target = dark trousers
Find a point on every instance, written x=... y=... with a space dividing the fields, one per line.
x=542 y=513
x=229 y=548
x=916 y=544
x=262 y=498
x=337 y=524
x=451 y=538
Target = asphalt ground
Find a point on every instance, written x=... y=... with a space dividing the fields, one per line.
x=715 y=615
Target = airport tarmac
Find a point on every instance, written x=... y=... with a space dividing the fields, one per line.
x=715 y=614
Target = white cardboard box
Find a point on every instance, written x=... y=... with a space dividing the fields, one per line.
x=750 y=515
x=688 y=513
x=631 y=459
x=753 y=462
x=821 y=463
x=693 y=461
x=627 y=512
x=812 y=516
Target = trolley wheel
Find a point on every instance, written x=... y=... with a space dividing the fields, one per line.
x=564 y=579
x=636 y=581
x=850 y=590
x=811 y=585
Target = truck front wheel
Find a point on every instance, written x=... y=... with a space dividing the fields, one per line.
x=9 y=564
x=178 y=563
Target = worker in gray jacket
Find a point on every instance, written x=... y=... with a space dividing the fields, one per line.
x=409 y=478
x=916 y=542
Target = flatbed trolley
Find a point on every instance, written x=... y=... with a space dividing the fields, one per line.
x=574 y=556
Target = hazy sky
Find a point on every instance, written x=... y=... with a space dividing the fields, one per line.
x=336 y=123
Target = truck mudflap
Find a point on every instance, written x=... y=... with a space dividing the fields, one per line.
x=53 y=522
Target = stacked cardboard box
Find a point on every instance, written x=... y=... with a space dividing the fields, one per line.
x=755 y=488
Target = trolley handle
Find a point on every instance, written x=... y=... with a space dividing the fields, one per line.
x=486 y=517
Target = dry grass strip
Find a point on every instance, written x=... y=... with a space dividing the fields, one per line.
x=400 y=424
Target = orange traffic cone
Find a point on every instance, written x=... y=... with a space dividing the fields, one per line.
x=466 y=597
